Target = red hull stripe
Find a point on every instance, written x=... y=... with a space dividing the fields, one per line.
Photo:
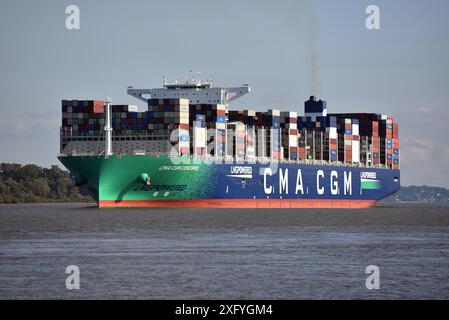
x=239 y=203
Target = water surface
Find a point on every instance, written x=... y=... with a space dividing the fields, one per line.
x=223 y=254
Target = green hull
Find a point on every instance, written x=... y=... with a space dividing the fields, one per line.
x=123 y=178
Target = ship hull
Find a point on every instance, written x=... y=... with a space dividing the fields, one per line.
x=158 y=181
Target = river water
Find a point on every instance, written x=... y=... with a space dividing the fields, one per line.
x=223 y=254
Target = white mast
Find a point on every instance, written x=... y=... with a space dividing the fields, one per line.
x=108 y=129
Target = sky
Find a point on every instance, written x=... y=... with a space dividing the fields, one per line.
x=286 y=50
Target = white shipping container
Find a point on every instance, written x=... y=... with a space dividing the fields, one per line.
x=183 y=102
x=133 y=108
x=355 y=129
x=291 y=126
x=200 y=137
x=292 y=141
x=355 y=151
x=332 y=133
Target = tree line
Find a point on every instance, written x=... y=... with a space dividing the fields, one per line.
x=31 y=183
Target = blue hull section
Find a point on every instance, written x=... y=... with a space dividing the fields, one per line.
x=294 y=181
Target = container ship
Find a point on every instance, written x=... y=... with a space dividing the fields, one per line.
x=188 y=148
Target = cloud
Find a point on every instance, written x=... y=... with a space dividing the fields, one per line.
x=424 y=109
x=31 y=124
x=424 y=161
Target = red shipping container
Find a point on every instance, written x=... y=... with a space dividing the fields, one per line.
x=98 y=106
x=220 y=138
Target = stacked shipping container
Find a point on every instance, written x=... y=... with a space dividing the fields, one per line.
x=376 y=137
x=289 y=134
x=82 y=117
x=199 y=135
x=350 y=138
x=271 y=120
x=395 y=146
x=166 y=115
x=215 y=118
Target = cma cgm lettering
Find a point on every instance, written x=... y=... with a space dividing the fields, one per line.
x=330 y=182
